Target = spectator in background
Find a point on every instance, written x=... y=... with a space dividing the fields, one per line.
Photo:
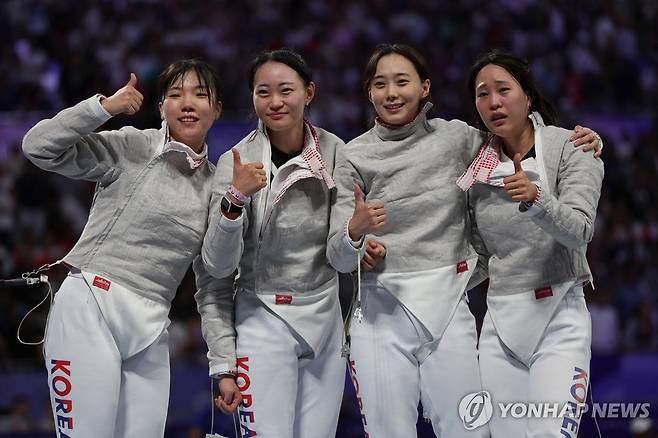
x=641 y=334
x=606 y=325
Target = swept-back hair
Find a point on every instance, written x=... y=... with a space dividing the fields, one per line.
x=285 y=56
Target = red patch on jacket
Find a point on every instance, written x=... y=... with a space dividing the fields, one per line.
x=543 y=292
x=102 y=283
x=462 y=267
x=283 y=299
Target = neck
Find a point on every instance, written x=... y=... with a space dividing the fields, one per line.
x=520 y=142
x=290 y=141
x=198 y=148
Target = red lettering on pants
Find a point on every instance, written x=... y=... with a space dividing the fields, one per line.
x=61 y=386
x=247 y=417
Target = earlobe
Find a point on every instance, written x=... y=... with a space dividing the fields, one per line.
x=426 y=88
x=218 y=110
x=310 y=93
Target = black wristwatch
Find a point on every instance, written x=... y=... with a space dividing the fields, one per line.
x=229 y=207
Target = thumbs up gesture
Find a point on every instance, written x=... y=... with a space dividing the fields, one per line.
x=248 y=178
x=368 y=217
x=127 y=100
x=518 y=186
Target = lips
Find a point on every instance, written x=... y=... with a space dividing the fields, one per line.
x=393 y=107
x=497 y=116
x=188 y=119
x=276 y=116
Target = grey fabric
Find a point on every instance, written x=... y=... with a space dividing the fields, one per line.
x=412 y=170
x=290 y=254
x=546 y=244
x=149 y=214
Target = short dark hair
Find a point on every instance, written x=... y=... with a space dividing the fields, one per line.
x=285 y=56
x=208 y=77
x=520 y=70
x=408 y=52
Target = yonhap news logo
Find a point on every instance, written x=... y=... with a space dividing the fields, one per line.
x=475 y=409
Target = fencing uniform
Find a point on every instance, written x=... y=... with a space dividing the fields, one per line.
x=535 y=342
x=106 y=343
x=288 y=321
x=416 y=339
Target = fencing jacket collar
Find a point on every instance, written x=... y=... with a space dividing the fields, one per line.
x=392 y=133
x=491 y=165
x=194 y=159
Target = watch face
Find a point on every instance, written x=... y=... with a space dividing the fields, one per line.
x=229 y=207
x=225 y=204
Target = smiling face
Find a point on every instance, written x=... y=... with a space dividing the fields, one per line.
x=501 y=102
x=188 y=110
x=396 y=90
x=280 y=96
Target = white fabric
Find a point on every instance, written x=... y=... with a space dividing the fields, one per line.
x=551 y=374
x=509 y=312
x=288 y=390
x=133 y=320
x=491 y=165
x=538 y=125
x=431 y=296
x=104 y=395
x=311 y=314
x=391 y=371
x=505 y=168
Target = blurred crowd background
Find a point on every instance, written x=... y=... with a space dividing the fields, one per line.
x=596 y=59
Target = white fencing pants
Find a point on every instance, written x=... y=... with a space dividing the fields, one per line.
x=93 y=391
x=557 y=373
x=390 y=379
x=287 y=392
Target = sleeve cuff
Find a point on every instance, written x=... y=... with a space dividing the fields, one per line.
x=356 y=244
x=230 y=224
x=536 y=207
x=98 y=110
x=219 y=369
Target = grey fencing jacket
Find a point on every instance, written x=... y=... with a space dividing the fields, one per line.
x=149 y=213
x=278 y=243
x=412 y=170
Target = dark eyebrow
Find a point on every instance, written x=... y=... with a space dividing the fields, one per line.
x=498 y=82
x=396 y=76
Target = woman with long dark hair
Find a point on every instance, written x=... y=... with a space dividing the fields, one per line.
x=412 y=335
x=533 y=197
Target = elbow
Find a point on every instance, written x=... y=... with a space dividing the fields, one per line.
x=30 y=145
x=340 y=264
x=217 y=270
x=576 y=242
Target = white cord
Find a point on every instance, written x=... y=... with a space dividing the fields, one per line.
x=212 y=406
x=236 y=421
x=591 y=397
x=49 y=293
